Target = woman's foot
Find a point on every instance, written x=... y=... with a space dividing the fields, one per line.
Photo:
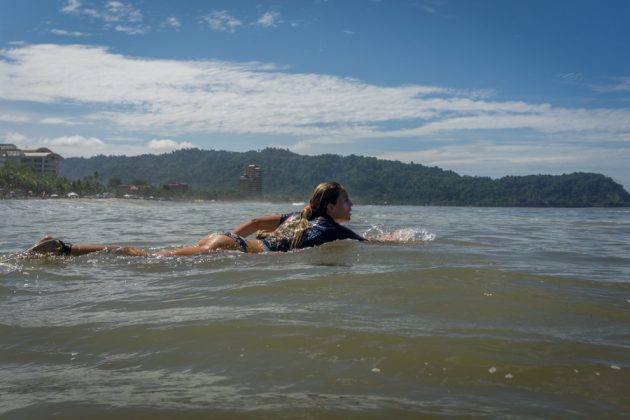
x=46 y=245
x=44 y=238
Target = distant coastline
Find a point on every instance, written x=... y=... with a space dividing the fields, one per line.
x=194 y=174
x=290 y=177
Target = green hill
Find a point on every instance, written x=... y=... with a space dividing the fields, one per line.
x=289 y=176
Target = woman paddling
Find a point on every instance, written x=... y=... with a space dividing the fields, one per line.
x=317 y=224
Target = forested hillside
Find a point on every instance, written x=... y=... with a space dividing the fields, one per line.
x=289 y=176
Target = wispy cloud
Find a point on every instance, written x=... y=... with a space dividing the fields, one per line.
x=115 y=15
x=221 y=20
x=570 y=76
x=75 y=145
x=165 y=145
x=269 y=19
x=117 y=11
x=13 y=137
x=14 y=118
x=620 y=84
x=78 y=145
x=172 y=22
x=494 y=159
x=177 y=98
x=63 y=32
x=431 y=6
x=56 y=121
x=71 y=6
x=73 y=141
x=490 y=154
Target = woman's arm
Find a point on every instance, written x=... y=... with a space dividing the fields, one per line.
x=270 y=222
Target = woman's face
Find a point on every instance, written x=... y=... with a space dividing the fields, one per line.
x=341 y=210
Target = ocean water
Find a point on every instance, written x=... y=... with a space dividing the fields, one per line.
x=494 y=312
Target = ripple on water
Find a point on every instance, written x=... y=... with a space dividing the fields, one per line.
x=506 y=313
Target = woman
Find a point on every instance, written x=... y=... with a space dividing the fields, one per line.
x=317 y=224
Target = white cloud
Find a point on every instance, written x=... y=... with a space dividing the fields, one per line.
x=269 y=19
x=172 y=22
x=14 y=118
x=497 y=159
x=490 y=154
x=570 y=77
x=72 y=6
x=56 y=121
x=63 y=32
x=77 y=145
x=221 y=20
x=543 y=119
x=115 y=15
x=432 y=6
x=14 y=138
x=73 y=141
x=178 y=98
x=130 y=30
x=622 y=84
x=118 y=11
x=163 y=145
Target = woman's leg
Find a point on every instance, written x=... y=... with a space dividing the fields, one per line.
x=254 y=246
x=213 y=242
x=209 y=243
x=187 y=250
x=82 y=249
x=51 y=246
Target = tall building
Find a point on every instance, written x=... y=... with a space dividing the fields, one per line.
x=42 y=160
x=250 y=184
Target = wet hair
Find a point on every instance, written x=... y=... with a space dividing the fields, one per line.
x=292 y=231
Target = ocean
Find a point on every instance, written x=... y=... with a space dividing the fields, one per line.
x=492 y=312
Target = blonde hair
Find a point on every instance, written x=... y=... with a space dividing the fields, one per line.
x=293 y=231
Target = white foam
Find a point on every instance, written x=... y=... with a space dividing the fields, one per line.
x=399 y=235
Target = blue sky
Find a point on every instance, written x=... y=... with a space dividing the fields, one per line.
x=481 y=87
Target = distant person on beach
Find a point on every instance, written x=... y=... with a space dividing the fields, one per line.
x=317 y=224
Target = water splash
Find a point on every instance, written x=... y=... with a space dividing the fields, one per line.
x=9 y=263
x=405 y=235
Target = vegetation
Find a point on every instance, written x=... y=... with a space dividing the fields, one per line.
x=23 y=181
x=19 y=181
x=291 y=177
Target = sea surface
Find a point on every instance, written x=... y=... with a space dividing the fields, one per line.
x=491 y=312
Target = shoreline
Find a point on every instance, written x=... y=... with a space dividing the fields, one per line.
x=209 y=200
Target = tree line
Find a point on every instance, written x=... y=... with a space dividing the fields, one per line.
x=291 y=177
x=21 y=182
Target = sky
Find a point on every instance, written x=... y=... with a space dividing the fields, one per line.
x=480 y=87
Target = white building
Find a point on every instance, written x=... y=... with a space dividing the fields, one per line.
x=42 y=160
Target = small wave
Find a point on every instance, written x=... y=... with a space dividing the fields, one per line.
x=9 y=263
x=399 y=235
